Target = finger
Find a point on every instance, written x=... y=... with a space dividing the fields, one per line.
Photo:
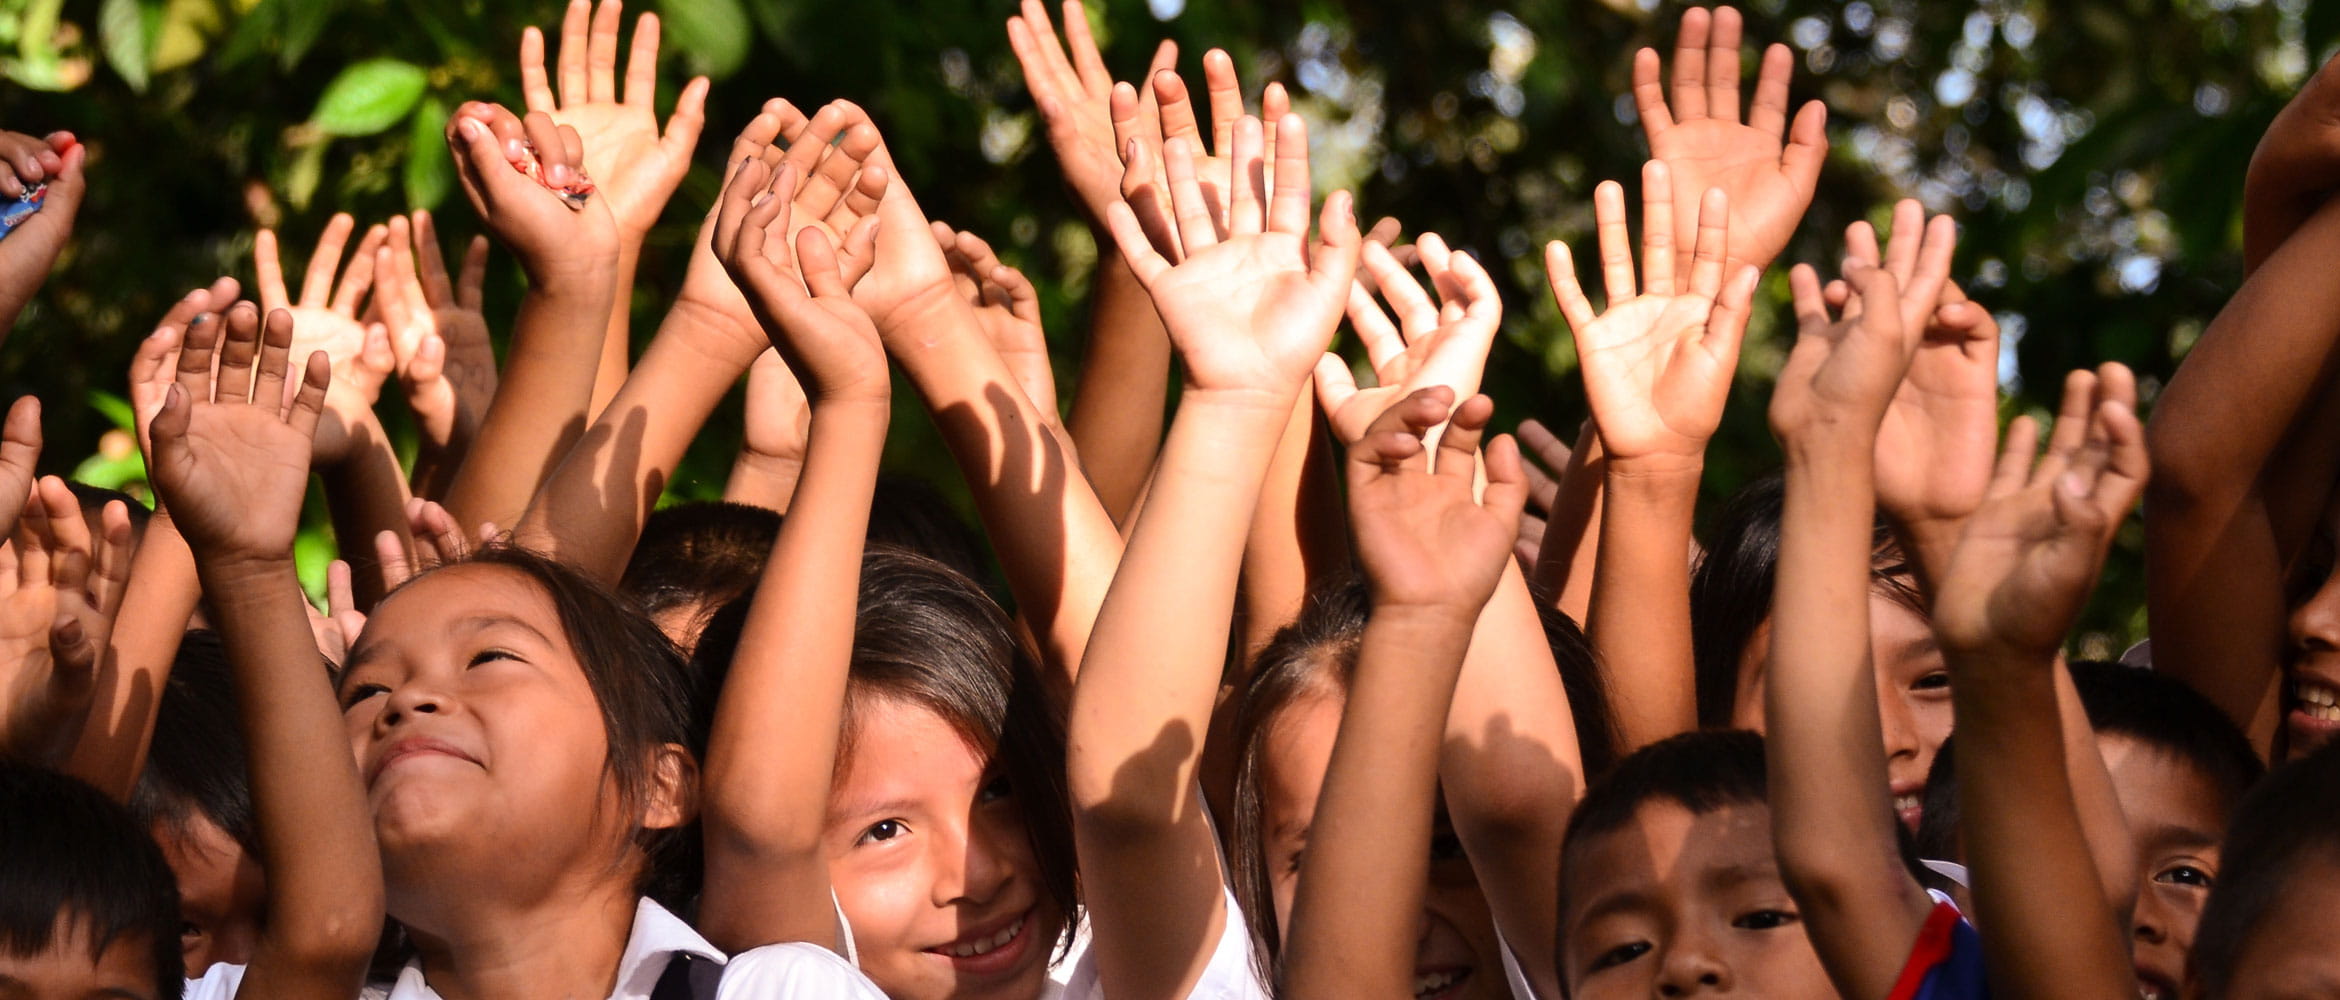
x=1226 y=94
x=1414 y=308
x=1145 y=192
x=1657 y=228
x=1506 y=494
x=2014 y=465
x=430 y=263
x=1380 y=337
x=1246 y=213
x=388 y=554
x=552 y=149
x=535 y=88
x=1690 y=66
x=110 y=572
x=1087 y=62
x=309 y=403
x=1807 y=148
x=197 y=350
x=1615 y=241
x=1458 y=447
x=1196 y=228
x=574 y=45
x=275 y=357
x=818 y=262
x=1332 y=263
x=1136 y=250
x=1860 y=243
x=642 y=63
x=601 y=52
x=317 y=283
x=1177 y=109
x=1930 y=276
x=359 y=275
x=1726 y=323
x=268 y=270
x=1714 y=234
x=1288 y=213
x=2070 y=432
x=690 y=110
x=1768 y=113
x=1649 y=94
x=1547 y=447
x=1061 y=74
x=1901 y=248
x=1811 y=305
x=1543 y=490
x=749 y=179
x=236 y=350
x=2127 y=469
x=470 y=292
x=1722 y=65
x=1560 y=268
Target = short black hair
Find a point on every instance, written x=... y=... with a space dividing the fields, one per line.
x=1730 y=591
x=908 y=512
x=704 y=552
x=196 y=765
x=1700 y=771
x=68 y=853
x=1937 y=832
x=2282 y=825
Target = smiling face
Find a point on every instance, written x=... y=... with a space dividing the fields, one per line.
x=2312 y=695
x=931 y=862
x=475 y=730
x=1913 y=695
x=1457 y=955
x=1675 y=903
x=2177 y=816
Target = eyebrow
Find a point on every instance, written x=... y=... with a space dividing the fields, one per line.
x=469 y=623
x=858 y=810
x=2175 y=835
x=1614 y=903
x=1733 y=876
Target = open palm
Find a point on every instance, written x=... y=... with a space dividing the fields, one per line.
x=633 y=167
x=1431 y=342
x=230 y=460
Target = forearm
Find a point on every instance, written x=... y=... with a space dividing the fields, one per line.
x=591 y=511
x=1056 y=544
x=2098 y=804
x=1639 y=619
x=540 y=407
x=2048 y=930
x=1565 y=565
x=1299 y=531
x=1125 y=384
x=1363 y=878
x=767 y=481
x=366 y=495
x=1832 y=819
x=1512 y=772
x=162 y=595
x=768 y=786
x=617 y=345
x=316 y=830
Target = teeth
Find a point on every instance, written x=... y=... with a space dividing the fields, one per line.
x=1429 y=983
x=2317 y=694
x=1905 y=803
x=989 y=944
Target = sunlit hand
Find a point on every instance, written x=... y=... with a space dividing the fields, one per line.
x=1143 y=126
x=1843 y=370
x=1074 y=95
x=1701 y=137
x=448 y=387
x=231 y=458
x=1658 y=361
x=552 y=238
x=801 y=297
x=31 y=249
x=1432 y=341
x=154 y=367
x=325 y=317
x=1008 y=308
x=1422 y=537
x=633 y=167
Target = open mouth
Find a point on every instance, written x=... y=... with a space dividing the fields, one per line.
x=990 y=951
x=1440 y=984
x=2316 y=701
x=1909 y=807
x=2154 y=986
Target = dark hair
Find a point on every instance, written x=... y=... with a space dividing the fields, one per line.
x=644 y=689
x=1700 y=771
x=908 y=512
x=196 y=765
x=2154 y=709
x=1730 y=591
x=2282 y=826
x=705 y=552
x=926 y=635
x=1937 y=832
x=68 y=853
x=1317 y=653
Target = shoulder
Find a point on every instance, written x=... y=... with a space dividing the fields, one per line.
x=792 y=970
x=1945 y=963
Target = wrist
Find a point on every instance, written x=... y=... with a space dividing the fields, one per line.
x=1656 y=470
x=1449 y=615
x=1266 y=403
x=1829 y=442
x=592 y=272
x=226 y=575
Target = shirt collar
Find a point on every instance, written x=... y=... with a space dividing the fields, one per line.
x=657 y=935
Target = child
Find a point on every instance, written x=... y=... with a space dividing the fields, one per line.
x=2267 y=929
x=195 y=798
x=86 y=902
x=1669 y=884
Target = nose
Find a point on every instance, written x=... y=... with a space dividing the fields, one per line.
x=2150 y=924
x=2315 y=624
x=410 y=700
x=1897 y=721
x=1692 y=965
x=971 y=865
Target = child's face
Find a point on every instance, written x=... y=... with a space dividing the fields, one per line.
x=1913 y=696
x=929 y=856
x=1457 y=945
x=222 y=892
x=479 y=740
x=1676 y=903
x=2312 y=709
x=2177 y=818
x=2290 y=954
x=64 y=971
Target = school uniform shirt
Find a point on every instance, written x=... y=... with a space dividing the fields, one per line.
x=1946 y=962
x=1227 y=976
x=793 y=971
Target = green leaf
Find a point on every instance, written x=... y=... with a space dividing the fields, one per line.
x=303 y=173
x=111 y=473
x=115 y=409
x=369 y=97
x=712 y=35
x=304 y=23
x=430 y=169
x=122 y=33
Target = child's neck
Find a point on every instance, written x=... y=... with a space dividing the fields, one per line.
x=562 y=945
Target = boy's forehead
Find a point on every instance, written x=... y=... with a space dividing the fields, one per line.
x=1665 y=844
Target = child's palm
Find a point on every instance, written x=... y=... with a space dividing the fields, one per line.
x=235 y=478
x=1258 y=283
x=2019 y=574
x=628 y=163
x=1656 y=389
x=1766 y=201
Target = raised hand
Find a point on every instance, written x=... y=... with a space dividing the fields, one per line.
x=231 y=456
x=1441 y=341
x=2028 y=558
x=437 y=331
x=1843 y=371
x=1253 y=311
x=633 y=167
x=90 y=571
x=325 y=317
x=154 y=367
x=1658 y=362
x=63 y=588
x=1424 y=540
x=1074 y=95
x=1143 y=128
x=437 y=540
x=824 y=335
x=20 y=448
x=553 y=237
x=29 y=250
x=1007 y=307
x=2291 y=171
x=1700 y=135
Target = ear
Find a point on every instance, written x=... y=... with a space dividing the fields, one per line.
x=674 y=788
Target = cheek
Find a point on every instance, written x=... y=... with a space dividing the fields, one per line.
x=882 y=899
x=1458 y=908
x=1933 y=719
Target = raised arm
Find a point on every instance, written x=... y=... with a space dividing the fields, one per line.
x=634 y=168
x=767 y=786
x=1832 y=818
x=1432 y=555
x=439 y=335
x=1657 y=369
x=231 y=459
x=590 y=511
x=1249 y=314
x=32 y=247
x=570 y=256
x=2017 y=581
x=2291 y=171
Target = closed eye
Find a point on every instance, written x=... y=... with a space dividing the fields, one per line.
x=486 y=655
x=1620 y=955
x=361 y=692
x=1764 y=920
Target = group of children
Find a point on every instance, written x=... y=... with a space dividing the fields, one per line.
x=1317 y=688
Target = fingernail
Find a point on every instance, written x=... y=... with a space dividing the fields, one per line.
x=468 y=127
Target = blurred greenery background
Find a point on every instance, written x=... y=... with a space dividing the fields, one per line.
x=2092 y=149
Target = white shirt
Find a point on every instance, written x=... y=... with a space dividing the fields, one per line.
x=1227 y=976
x=794 y=971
